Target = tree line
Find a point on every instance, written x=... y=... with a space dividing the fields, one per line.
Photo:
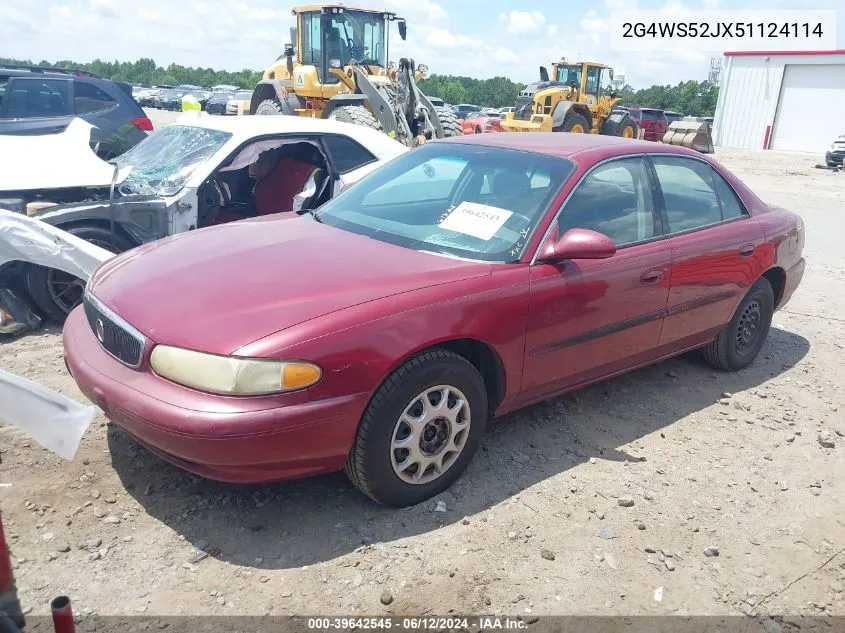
x=687 y=97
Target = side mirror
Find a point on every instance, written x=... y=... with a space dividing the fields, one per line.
x=576 y=244
x=288 y=50
x=544 y=74
x=610 y=73
x=403 y=29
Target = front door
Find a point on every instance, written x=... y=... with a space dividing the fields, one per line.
x=717 y=249
x=591 y=318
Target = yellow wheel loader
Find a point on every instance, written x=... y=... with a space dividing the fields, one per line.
x=336 y=67
x=571 y=101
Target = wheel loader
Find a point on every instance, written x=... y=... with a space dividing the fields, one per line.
x=571 y=101
x=336 y=67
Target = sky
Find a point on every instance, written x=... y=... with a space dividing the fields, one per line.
x=460 y=37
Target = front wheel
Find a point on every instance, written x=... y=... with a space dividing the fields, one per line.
x=449 y=122
x=357 y=115
x=738 y=344
x=269 y=107
x=420 y=430
x=575 y=123
x=56 y=292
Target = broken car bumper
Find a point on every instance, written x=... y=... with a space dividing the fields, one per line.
x=233 y=439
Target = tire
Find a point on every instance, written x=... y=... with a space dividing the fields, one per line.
x=449 y=122
x=735 y=347
x=371 y=462
x=573 y=122
x=41 y=282
x=269 y=107
x=626 y=127
x=357 y=115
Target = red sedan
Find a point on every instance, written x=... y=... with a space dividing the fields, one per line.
x=481 y=123
x=458 y=282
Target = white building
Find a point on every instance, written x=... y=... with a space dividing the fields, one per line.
x=781 y=100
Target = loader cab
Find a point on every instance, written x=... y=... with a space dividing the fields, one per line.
x=585 y=77
x=330 y=37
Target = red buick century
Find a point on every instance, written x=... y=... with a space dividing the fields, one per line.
x=460 y=281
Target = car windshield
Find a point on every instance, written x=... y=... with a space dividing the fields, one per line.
x=466 y=201
x=243 y=95
x=357 y=35
x=163 y=162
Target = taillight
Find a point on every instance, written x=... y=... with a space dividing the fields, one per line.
x=143 y=124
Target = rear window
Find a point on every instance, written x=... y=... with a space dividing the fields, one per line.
x=28 y=98
x=89 y=98
x=346 y=154
x=652 y=115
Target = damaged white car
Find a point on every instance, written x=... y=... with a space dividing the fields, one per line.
x=197 y=172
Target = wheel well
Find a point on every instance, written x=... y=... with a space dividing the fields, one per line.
x=103 y=224
x=583 y=110
x=262 y=92
x=777 y=277
x=485 y=359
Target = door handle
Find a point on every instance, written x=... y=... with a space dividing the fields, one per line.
x=652 y=276
x=746 y=250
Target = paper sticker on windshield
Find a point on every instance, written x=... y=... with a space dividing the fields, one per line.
x=478 y=220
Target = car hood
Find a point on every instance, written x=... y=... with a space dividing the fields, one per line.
x=220 y=288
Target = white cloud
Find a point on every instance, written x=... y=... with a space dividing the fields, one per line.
x=552 y=29
x=523 y=22
x=418 y=10
x=505 y=55
x=710 y=4
x=104 y=7
x=61 y=12
x=441 y=38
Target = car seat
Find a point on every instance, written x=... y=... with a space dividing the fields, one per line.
x=509 y=189
x=275 y=192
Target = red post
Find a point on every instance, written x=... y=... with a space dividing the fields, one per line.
x=9 y=602
x=62 y=615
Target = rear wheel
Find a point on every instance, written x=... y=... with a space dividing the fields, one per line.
x=420 y=430
x=358 y=115
x=449 y=122
x=626 y=127
x=575 y=123
x=56 y=292
x=739 y=343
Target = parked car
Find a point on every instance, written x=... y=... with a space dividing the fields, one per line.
x=672 y=116
x=651 y=121
x=504 y=111
x=463 y=109
x=835 y=155
x=171 y=99
x=36 y=100
x=217 y=102
x=479 y=123
x=240 y=103
x=463 y=280
x=200 y=171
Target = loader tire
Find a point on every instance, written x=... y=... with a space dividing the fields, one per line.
x=574 y=123
x=357 y=115
x=449 y=122
x=626 y=127
x=269 y=107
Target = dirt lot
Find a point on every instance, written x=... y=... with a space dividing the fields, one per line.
x=535 y=526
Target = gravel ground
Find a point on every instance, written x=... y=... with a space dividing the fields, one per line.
x=717 y=493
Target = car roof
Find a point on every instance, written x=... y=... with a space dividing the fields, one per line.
x=590 y=147
x=246 y=127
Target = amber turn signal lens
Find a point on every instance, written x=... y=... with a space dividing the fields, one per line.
x=299 y=375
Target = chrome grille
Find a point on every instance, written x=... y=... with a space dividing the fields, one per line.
x=115 y=335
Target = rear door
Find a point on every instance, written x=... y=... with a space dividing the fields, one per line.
x=716 y=249
x=592 y=318
x=36 y=105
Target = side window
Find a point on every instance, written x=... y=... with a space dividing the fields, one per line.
x=346 y=154
x=593 y=76
x=690 y=194
x=35 y=98
x=88 y=98
x=614 y=199
x=432 y=180
x=311 y=44
x=732 y=207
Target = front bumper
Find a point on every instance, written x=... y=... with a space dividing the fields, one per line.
x=835 y=158
x=234 y=439
x=538 y=123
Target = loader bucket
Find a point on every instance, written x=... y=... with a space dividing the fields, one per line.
x=692 y=133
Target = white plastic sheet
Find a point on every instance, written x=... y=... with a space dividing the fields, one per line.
x=30 y=240
x=54 y=161
x=55 y=421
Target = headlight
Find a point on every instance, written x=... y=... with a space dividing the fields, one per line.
x=232 y=375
